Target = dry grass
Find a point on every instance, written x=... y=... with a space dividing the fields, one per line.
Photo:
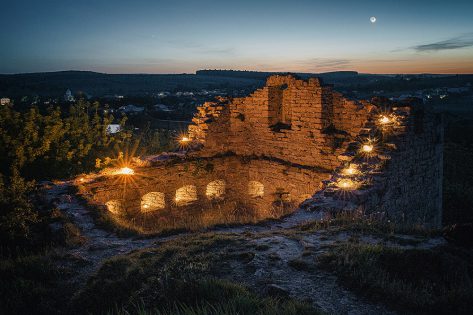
x=197 y=216
x=438 y=281
x=365 y=224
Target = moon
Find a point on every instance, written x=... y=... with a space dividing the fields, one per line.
x=373 y=19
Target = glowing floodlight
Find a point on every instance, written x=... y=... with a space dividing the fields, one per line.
x=347 y=184
x=184 y=141
x=384 y=120
x=126 y=171
x=367 y=148
x=350 y=170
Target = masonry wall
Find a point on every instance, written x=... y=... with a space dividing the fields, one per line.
x=279 y=181
x=302 y=122
x=402 y=180
x=412 y=191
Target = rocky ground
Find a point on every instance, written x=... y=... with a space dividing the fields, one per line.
x=282 y=262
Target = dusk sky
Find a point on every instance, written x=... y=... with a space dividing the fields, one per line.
x=184 y=36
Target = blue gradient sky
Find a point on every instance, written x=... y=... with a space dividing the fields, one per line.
x=183 y=36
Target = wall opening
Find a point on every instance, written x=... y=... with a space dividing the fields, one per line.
x=279 y=111
x=152 y=201
x=215 y=189
x=115 y=206
x=186 y=195
x=282 y=195
x=255 y=189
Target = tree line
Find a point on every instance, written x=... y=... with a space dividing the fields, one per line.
x=48 y=144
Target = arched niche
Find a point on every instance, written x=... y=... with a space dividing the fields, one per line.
x=152 y=201
x=282 y=195
x=255 y=189
x=215 y=189
x=185 y=195
x=114 y=206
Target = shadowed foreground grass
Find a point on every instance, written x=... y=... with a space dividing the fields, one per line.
x=437 y=281
x=32 y=284
x=216 y=297
x=182 y=276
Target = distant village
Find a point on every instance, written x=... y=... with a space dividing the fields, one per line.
x=173 y=110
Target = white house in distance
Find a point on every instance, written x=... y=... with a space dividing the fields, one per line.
x=5 y=101
x=68 y=97
x=113 y=128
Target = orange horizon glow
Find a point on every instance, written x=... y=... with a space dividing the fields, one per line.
x=390 y=65
x=368 y=68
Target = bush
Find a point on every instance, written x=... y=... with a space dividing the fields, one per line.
x=46 y=144
x=17 y=216
x=30 y=285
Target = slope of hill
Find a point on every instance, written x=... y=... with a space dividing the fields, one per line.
x=99 y=84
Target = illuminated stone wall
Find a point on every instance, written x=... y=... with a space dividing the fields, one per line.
x=233 y=179
x=302 y=122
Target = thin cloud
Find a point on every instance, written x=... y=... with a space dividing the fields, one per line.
x=449 y=44
x=319 y=64
x=327 y=62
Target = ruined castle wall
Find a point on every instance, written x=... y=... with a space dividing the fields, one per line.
x=278 y=181
x=348 y=115
x=412 y=191
x=401 y=180
x=288 y=119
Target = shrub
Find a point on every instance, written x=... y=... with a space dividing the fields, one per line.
x=17 y=216
x=30 y=284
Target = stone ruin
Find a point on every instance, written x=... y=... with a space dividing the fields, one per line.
x=296 y=144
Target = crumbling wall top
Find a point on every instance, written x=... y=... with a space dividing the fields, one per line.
x=277 y=80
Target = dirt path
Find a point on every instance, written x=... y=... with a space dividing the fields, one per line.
x=99 y=244
x=270 y=268
x=273 y=269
